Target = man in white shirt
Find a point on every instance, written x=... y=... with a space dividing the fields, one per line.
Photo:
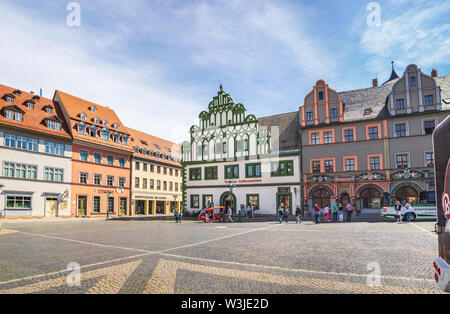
x=349 y=211
x=408 y=211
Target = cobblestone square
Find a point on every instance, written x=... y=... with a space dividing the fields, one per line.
x=141 y=256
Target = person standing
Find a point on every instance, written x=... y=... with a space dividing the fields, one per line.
x=326 y=210
x=298 y=214
x=349 y=211
x=408 y=211
x=316 y=214
x=398 y=212
x=249 y=211
x=335 y=210
x=286 y=215
x=229 y=215
x=280 y=214
x=341 y=212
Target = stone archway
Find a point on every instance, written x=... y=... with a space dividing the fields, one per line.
x=321 y=195
x=228 y=199
x=406 y=191
x=370 y=198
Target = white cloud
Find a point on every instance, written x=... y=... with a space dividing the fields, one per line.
x=39 y=54
x=409 y=34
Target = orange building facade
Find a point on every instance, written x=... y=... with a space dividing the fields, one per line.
x=101 y=158
x=100 y=185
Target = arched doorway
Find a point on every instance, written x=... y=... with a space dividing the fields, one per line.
x=228 y=200
x=321 y=197
x=407 y=194
x=370 y=198
x=345 y=198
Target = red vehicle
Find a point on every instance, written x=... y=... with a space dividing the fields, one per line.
x=212 y=214
x=441 y=142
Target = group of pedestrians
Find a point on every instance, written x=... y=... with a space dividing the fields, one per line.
x=248 y=213
x=283 y=215
x=398 y=212
x=336 y=212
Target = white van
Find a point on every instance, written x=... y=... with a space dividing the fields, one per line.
x=418 y=212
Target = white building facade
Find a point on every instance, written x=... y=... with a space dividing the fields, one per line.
x=35 y=157
x=235 y=160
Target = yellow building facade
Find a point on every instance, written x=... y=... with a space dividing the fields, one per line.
x=156 y=177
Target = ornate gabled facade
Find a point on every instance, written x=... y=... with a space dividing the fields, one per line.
x=372 y=146
x=230 y=147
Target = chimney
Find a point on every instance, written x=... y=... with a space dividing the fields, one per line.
x=434 y=73
x=374 y=82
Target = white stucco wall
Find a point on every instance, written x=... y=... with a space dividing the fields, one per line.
x=38 y=189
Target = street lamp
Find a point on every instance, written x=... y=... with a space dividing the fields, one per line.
x=108 y=193
x=231 y=187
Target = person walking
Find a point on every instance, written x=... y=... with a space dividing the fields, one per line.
x=286 y=215
x=316 y=214
x=280 y=214
x=229 y=215
x=335 y=210
x=326 y=211
x=398 y=212
x=341 y=212
x=298 y=214
x=349 y=212
x=408 y=211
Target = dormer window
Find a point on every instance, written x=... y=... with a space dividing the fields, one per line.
x=93 y=109
x=93 y=131
x=17 y=92
x=96 y=120
x=105 y=123
x=104 y=134
x=125 y=140
x=54 y=125
x=29 y=104
x=157 y=146
x=116 y=138
x=10 y=114
x=82 y=128
x=49 y=110
x=9 y=99
x=36 y=98
x=116 y=126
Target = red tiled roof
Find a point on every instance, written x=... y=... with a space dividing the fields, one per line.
x=149 y=142
x=74 y=106
x=33 y=119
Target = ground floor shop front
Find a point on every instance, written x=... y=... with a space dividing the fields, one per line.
x=32 y=199
x=369 y=196
x=155 y=204
x=89 y=201
x=264 y=199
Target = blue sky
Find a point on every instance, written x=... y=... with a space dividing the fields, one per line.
x=158 y=63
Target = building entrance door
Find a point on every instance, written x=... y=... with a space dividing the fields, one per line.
x=140 y=208
x=160 y=207
x=370 y=199
x=321 y=197
x=123 y=206
x=82 y=205
x=51 y=207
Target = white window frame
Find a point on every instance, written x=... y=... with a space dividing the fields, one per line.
x=425 y=157
x=429 y=119
x=406 y=127
x=402 y=153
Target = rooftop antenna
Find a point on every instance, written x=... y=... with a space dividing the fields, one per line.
x=40 y=93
